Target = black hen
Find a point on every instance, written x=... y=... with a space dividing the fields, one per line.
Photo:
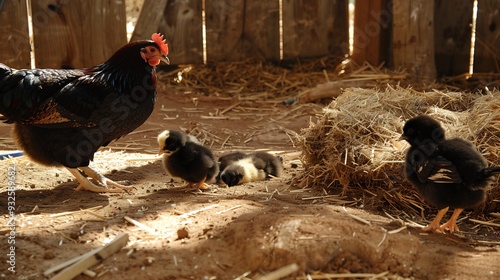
x=62 y=117
x=446 y=172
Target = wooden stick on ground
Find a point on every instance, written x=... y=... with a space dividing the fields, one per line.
x=281 y=272
x=83 y=262
x=140 y=225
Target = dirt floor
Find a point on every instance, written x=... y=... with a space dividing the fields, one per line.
x=241 y=232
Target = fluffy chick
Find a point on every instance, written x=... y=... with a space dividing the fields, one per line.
x=446 y=172
x=256 y=166
x=184 y=157
x=227 y=159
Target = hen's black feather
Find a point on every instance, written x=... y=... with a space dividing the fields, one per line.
x=61 y=117
x=446 y=172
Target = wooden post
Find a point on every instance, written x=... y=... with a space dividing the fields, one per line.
x=315 y=28
x=452 y=36
x=413 y=38
x=76 y=34
x=486 y=58
x=14 y=38
x=372 y=32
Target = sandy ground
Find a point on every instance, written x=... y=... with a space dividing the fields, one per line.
x=242 y=232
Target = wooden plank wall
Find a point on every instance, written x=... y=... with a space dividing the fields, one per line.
x=149 y=19
x=452 y=36
x=314 y=28
x=240 y=29
x=413 y=38
x=76 y=34
x=487 y=51
x=182 y=26
x=14 y=38
x=372 y=32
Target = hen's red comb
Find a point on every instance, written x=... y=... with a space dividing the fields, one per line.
x=162 y=43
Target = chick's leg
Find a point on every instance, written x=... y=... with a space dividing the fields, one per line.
x=451 y=224
x=202 y=185
x=102 y=179
x=196 y=186
x=86 y=184
x=434 y=225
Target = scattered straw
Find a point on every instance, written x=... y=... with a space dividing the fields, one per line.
x=257 y=80
x=485 y=223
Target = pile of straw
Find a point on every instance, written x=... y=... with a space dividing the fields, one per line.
x=353 y=149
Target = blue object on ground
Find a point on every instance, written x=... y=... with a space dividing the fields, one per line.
x=7 y=154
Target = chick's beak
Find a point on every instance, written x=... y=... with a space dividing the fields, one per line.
x=403 y=137
x=161 y=152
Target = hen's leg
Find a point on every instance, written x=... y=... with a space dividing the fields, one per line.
x=102 y=179
x=86 y=184
x=434 y=225
x=451 y=224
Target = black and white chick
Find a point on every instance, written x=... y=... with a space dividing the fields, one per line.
x=184 y=157
x=256 y=166
x=227 y=159
x=446 y=172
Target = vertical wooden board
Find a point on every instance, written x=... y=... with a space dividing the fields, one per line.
x=452 y=36
x=487 y=47
x=182 y=27
x=313 y=28
x=372 y=32
x=14 y=38
x=224 y=29
x=76 y=34
x=413 y=38
x=149 y=19
x=261 y=30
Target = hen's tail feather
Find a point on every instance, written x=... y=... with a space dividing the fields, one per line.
x=490 y=171
x=5 y=71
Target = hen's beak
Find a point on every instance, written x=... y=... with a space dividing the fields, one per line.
x=165 y=59
x=403 y=137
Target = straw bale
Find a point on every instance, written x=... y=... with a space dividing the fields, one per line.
x=353 y=148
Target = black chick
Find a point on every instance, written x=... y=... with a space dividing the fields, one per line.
x=446 y=172
x=186 y=158
x=256 y=166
